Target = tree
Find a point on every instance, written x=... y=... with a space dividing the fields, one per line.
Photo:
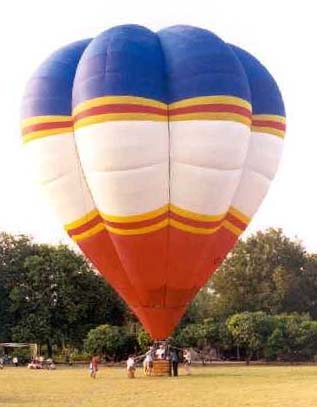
x=112 y=342
x=250 y=330
x=266 y=272
x=191 y=335
x=294 y=338
x=218 y=336
x=13 y=252
x=200 y=308
x=51 y=295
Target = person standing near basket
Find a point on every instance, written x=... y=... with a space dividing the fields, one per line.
x=175 y=361
x=187 y=361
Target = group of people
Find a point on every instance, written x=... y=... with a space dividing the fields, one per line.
x=36 y=363
x=40 y=363
x=162 y=352
x=15 y=361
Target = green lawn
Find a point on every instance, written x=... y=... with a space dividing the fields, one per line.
x=219 y=386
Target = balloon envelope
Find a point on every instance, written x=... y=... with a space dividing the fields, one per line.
x=156 y=149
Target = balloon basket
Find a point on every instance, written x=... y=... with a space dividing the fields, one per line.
x=161 y=368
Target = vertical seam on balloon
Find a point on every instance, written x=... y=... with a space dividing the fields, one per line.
x=81 y=172
x=169 y=175
x=169 y=202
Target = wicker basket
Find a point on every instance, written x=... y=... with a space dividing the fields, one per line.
x=161 y=367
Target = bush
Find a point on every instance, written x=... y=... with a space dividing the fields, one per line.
x=250 y=331
x=144 y=340
x=293 y=339
x=192 y=335
x=76 y=356
x=111 y=342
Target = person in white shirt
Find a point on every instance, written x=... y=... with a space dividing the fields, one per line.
x=160 y=352
x=148 y=363
x=187 y=360
x=131 y=367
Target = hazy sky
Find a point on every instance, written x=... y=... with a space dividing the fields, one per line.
x=281 y=34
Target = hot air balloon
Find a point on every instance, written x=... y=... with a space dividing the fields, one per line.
x=156 y=150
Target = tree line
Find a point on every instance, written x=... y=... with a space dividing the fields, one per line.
x=261 y=303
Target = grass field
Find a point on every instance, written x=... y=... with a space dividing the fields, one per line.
x=218 y=386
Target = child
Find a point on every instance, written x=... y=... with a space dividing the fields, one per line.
x=131 y=367
x=93 y=367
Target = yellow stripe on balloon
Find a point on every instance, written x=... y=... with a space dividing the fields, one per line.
x=232 y=228
x=270 y=117
x=226 y=116
x=46 y=133
x=196 y=216
x=193 y=229
x=136 y=218
x=110 y=117
x=45 y=119
x=154 y=214
x=90 y=232
x=81 y=221
x=110 y=100
x=239 y=215
x=138 y=231
x=204 y=100
x=205 y=231
x=268 y=130
x=155 y=227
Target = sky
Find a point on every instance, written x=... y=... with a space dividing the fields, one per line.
x=281 y=34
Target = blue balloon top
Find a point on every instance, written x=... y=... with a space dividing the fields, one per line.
x=176 y=63
x=265 y=94
x=49 y=91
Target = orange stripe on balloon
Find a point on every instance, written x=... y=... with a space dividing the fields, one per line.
x=45 y=119
x=211 y=107
x=195 y=223
x=111 y=100
x=120 y=108
x=235 y=221
x=270 y=124
x=215 y=99
x=137 y=225
x=209 y=115
x=46 y=126
x=84 y=227
x=43 y=126
x=117 y=108
x=270 y=117
x=112 y=117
